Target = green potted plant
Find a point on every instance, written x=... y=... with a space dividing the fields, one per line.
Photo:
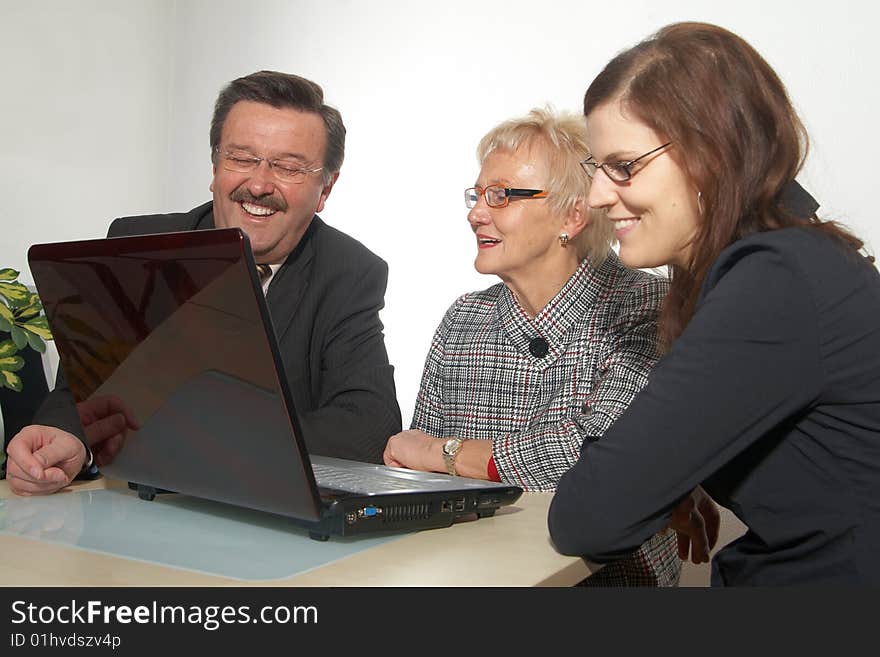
x=22 y=326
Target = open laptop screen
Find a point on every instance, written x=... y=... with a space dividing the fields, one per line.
x=174 y=327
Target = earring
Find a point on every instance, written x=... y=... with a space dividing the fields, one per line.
x=700 y=201
x=563 y=239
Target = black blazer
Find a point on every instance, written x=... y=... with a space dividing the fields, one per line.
x=324 y=302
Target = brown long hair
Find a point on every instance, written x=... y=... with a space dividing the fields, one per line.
x=736 y=135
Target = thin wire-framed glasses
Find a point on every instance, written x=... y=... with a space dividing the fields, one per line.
x=497 y=196
x=287 y=171
x=617 y=171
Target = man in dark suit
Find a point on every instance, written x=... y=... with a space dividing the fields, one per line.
x=276 y=150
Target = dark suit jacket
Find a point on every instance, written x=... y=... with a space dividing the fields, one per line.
x=324 y=302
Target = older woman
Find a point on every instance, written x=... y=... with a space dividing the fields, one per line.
x=769 y=395
x=519 y=374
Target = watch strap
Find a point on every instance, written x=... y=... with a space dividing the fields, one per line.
x=450 y=451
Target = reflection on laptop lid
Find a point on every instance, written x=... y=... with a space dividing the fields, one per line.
x=174 y=328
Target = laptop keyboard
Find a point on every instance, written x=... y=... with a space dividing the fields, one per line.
x=358 y=481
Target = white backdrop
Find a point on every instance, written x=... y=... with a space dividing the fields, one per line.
x=106 y=104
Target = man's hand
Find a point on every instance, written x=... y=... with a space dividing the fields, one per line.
x=415 y=450
x=106 y=421
x=696 y=521
x=41 y=460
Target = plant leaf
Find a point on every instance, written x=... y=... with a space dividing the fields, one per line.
x=11 y=380
x=11 y=363
x=19 y=337
x=8 y=274
x=44 y=333
x=7 y=348
x=32 y=309
x=6 y=313
x=16 y=294
x=39 y=322
x=5 y=325
x=36 y=342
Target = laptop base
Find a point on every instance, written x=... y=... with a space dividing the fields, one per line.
x=346 y=514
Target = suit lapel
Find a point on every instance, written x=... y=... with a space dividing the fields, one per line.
x=204 y=220
x=291 y=281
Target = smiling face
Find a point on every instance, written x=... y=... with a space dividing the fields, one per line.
x=273 y=213
x=655 y=213
x=520 y=242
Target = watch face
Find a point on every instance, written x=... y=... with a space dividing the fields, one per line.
x=451 y=446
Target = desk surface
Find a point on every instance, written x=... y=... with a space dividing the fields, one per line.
x=510 y=549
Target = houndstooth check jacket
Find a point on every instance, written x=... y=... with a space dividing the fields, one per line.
x=481 y=382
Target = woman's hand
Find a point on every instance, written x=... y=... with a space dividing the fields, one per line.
x=696 y=521
x=415 y=450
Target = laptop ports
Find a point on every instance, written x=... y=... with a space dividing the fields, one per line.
x=448 y=506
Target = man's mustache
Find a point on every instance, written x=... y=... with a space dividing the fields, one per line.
x=242 y=195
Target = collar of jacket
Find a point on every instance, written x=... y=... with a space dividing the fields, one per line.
x=554 y=321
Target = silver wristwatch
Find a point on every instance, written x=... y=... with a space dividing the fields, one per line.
x=450 y=450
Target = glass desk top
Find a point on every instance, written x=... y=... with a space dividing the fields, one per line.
x=178 y=531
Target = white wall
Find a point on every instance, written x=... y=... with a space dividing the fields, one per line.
x=417 y=84
x=84 y=117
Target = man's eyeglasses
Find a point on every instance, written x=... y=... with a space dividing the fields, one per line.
x=287 y=171
x=617 y=171
x=497 y=196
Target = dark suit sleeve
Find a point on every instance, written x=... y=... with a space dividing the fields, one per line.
x=59 y=410
x=747 y=362
x=357 y=407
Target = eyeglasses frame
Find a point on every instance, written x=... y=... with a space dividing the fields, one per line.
x=224 y=154
x=516 y=192
x=625 y=166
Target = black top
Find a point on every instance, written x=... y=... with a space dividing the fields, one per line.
x=771 y=400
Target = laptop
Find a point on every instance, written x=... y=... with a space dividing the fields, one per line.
x=174 y=328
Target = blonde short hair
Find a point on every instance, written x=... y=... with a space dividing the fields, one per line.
x=562 y=138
